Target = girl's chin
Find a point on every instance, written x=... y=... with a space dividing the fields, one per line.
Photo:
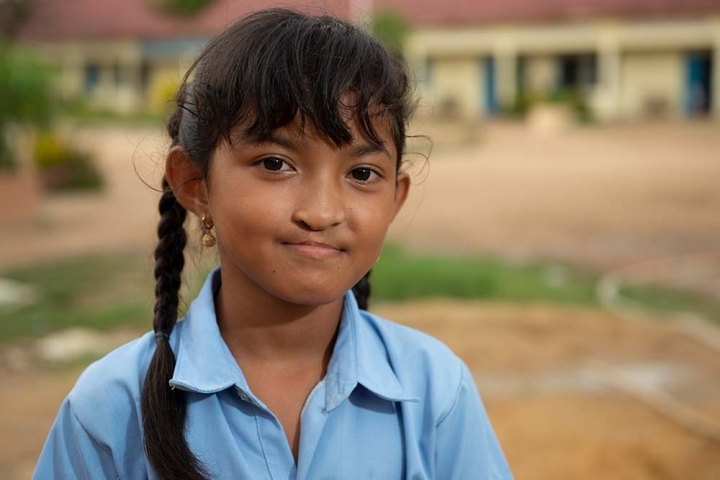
x=312 y=298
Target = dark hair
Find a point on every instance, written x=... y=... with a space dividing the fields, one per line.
x=260 y=74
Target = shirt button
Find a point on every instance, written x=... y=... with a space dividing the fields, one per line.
x=244 y=397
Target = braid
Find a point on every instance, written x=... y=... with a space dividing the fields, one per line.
x=361 y=290
x=163 y=408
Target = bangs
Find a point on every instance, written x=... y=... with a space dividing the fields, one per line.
x=274 y=66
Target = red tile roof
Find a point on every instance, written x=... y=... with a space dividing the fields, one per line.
x=469 y=12
x=117 y=19
x=114 y=19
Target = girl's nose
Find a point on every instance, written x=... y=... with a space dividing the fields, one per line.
x=320 y=206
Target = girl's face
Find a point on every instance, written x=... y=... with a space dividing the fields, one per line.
x=299 y=218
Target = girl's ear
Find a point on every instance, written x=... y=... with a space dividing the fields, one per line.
x=186 y=182
x=402 y=187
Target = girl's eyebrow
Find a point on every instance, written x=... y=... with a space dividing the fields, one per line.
x=355 y=151
x=370 y=149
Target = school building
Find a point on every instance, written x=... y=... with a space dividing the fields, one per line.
x=625 y=59
x=130 y=55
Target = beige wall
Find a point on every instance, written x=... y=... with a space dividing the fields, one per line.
x=716 y=70
x=567 y=37
x=127 y=96
x=455 y=79
x=72 y=57
x=540 y=75
x=640 y=63
x=651 y=84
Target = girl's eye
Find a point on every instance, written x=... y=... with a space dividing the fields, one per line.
x=364 y=175
x=274 y=164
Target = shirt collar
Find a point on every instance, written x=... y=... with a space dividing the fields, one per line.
x=360 y=357
x=204 y=362
x=205 y=365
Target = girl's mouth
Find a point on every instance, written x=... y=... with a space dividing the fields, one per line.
x=315 y=250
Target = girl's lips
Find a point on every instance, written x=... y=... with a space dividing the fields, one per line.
x=315 y=250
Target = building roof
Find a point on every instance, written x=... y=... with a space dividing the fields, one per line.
x=483 y=12
x=113 y=19
x=117 y=19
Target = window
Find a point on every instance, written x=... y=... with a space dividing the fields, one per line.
x=91 y=77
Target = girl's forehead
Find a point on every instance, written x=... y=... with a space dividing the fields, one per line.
x=298 y=138
x=302 y=131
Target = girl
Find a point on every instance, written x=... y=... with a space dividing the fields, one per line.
x=287 y=143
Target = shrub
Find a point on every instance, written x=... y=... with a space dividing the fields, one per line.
x=162 y=95
x=571 y=98
x=183 y=8
x=63 y=167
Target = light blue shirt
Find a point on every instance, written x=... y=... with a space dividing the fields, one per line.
x=395 y=404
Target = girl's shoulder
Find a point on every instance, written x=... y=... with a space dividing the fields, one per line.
x=106 y=385
x=408 y=341
x=99 y=426
x=111 y=387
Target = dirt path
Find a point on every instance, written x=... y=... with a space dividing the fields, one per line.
x=121 y=218
x=601 y=196
x=29 y=402
x=604 y=197
x=557 y=413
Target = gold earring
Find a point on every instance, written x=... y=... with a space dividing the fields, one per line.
x=208 y=239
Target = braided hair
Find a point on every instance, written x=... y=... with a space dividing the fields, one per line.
x=261 y=72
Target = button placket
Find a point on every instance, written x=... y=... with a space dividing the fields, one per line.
x=245 y=397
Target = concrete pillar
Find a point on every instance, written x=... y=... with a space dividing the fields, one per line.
x=105 y=93
x=132 y=74
x=506 y=74
x=416 y=56
x=608 y=94
x=419 y=64
x=72 y=74
x=715 y=94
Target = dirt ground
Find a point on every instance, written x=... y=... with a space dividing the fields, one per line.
x=572 y=393
x=551 y=379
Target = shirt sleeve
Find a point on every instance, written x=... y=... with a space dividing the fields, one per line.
x=466 y=444
x=70 y=452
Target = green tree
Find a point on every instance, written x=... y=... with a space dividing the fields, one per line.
x=25 y=95
x=185 y=8
x=390 y=28
x=12 y=15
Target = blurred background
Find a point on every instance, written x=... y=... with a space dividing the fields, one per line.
x=563 y=237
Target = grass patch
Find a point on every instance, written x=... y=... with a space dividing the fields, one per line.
x=663 y=300
x=96 y=292
x=401 y=275
x=105 y=292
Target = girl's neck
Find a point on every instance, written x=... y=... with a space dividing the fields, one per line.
x=258 y=327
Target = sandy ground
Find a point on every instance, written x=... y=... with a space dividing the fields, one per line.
x=541 y=371
x=569 y=391
x=550 y=381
